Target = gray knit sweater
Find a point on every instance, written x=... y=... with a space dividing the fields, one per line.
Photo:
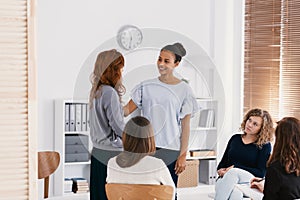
x=106 y=120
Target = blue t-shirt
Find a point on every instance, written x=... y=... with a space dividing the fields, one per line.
x=248 y=157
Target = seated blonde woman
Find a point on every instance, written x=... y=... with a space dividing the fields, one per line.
x=246 y=154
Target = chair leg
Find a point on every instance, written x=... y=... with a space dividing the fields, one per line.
x=46 y=187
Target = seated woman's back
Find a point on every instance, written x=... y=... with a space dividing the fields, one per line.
x=283 y=171
x=135 y=165
x=288 y=185
x=149 y=170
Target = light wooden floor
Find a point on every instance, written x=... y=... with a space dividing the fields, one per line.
x=195 y=193
x=192 y=193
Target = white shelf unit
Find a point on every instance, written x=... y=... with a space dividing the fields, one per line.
x=204 y=126
x=68 y=169
x=203 y=135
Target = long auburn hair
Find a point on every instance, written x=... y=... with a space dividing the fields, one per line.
x=266 y=131
x=287 y=145
x=107 y=71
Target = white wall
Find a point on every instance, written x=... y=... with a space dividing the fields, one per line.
x=68 y=31
x=228 y=59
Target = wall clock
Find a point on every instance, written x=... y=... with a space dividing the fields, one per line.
x=129 y=37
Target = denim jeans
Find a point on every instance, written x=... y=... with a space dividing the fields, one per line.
x=225 y=186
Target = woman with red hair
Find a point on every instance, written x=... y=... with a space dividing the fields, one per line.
x=106 y=117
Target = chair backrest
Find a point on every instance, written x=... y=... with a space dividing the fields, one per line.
x=117 y=191
x=48 y=162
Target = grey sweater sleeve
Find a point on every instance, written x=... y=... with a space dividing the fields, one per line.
x=114 y=111
x=106 y=119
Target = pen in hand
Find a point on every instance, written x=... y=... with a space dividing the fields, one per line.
x=256 y=183
x=259 y=180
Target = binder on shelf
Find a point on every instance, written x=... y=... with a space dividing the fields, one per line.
x=83 y=117
x=206 y=118
x=203 y=118
x=72 y=117
x=208 y=171
x=213 y=172
x=210 y=118
x=78 y=117
x=67 y=117
x=87 y=118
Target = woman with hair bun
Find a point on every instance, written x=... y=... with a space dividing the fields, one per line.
x=168 y=102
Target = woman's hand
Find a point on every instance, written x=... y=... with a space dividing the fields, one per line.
x=180 y=164
x=222 y=171
x=129 y=108
x=257 y=183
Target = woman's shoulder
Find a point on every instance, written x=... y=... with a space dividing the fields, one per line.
x=267 y=145
x=236 y=136
x=107 y=90
x=276 y=165
x=146 y=83
x=112 y=162
x=151 y=80
x=154 y=161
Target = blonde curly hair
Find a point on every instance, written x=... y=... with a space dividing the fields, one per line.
x=266 y=132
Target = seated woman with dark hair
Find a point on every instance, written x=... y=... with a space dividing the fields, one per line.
x=136 y=165
x=282 y=179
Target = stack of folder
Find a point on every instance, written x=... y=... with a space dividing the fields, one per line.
x=76 y=117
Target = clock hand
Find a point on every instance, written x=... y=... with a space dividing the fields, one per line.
x=130 y=41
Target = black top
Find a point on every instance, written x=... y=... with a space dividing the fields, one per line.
x=281 y=185
x=248 y=157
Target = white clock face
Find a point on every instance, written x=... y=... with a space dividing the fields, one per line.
x=130 y=37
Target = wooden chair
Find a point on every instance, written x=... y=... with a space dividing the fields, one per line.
x=48 y=162
x=116 y=191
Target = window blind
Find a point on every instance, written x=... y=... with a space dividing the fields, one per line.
x=270 y=57
x=290 y=66
x=17 y=102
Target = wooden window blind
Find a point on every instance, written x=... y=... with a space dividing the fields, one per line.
x=271 y=53
x=18 y=170
x=290 y=66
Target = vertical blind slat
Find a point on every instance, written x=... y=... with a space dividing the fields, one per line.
x=13 y=94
